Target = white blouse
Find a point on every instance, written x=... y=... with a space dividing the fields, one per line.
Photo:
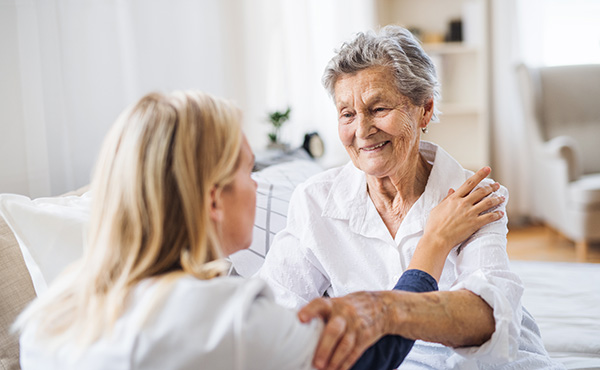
x=336 y=242
x=223 y=323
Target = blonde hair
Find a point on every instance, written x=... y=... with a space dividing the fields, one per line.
x=150 y=213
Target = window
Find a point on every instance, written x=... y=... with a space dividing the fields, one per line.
x=559 y=32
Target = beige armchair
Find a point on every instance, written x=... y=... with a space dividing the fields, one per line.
x=562 y=114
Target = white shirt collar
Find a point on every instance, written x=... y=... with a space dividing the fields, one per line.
x=348 y=198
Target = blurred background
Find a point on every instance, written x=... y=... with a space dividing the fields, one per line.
x=68 y=67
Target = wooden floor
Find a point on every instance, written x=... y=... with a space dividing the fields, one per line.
x=540 y=243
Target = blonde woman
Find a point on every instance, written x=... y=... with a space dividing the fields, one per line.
x=173 y=195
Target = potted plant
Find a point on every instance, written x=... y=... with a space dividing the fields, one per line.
x=277 y=119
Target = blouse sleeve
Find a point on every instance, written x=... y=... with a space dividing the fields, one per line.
x=291 y=269
x=390 y=351
x=483 y=267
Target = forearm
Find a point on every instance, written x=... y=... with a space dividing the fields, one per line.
x=453 y=318
x=391 y=350
x=430 y=255
x=457 y=319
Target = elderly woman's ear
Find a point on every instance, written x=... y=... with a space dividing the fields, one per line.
x=427 y=112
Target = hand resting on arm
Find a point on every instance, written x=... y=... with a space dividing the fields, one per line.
x=460 y=318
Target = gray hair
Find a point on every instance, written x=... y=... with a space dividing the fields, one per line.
x=393 y=47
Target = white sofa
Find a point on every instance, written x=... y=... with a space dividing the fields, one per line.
x=562 y=297
x=562 y=113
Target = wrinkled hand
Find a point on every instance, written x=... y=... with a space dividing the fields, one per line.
x=353 y=323
x=462 y=212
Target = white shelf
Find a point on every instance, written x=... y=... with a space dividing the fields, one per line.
x=462 y=70
x=459 y=109
x=449 y=48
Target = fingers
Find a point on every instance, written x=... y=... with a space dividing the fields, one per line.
x=344 y=349
x=473 y=181
x=488 y=204
x=346 y=333
x=481 y=192
x=491 y=217
x=331 y=335
x=351 y=359
x=488 y=218
x=332 y=341
x=484 y=210
x=317 y=308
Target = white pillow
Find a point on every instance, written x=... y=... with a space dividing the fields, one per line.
x=50 y=232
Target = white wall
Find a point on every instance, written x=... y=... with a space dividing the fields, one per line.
x=68 y=71
x=12 y=154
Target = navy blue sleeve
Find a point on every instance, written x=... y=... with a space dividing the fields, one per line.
x=416 y=281
x=390 y=351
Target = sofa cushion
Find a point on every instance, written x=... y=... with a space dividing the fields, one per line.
x=16 y=291
x=585 y=192
x=50 y=232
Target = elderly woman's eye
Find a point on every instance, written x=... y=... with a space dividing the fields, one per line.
x=379 y=109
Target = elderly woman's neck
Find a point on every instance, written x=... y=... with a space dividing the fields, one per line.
x=407 y=183
x=394 y=195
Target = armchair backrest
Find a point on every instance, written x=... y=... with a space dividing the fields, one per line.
x=565 y=100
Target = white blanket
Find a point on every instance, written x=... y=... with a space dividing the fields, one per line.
x=564 y=298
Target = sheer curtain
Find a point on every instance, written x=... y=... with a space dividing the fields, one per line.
x=509 y=146
x=69 y=67
x=537 y=32
x=287 y=45
x=559 y=32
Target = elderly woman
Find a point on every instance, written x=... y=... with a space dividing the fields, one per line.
x=356 y=227
x=173 y=194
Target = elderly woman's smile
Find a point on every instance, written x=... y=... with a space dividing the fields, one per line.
x=374 y=147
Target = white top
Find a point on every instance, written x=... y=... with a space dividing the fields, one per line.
x=223 y=323
x=336 y=241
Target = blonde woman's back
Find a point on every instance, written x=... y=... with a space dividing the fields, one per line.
x=223 y=323
x=172 y=174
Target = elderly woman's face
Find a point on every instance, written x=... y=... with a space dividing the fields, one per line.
x=378 y=126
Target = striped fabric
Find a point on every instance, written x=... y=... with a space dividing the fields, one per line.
x=275 y=186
